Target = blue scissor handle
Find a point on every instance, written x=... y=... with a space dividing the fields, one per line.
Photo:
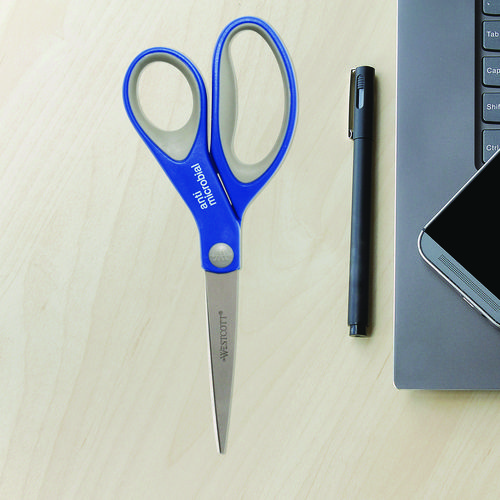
x=243 y=181
x=183 y=155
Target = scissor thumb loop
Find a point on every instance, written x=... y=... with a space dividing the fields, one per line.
x=176 y=144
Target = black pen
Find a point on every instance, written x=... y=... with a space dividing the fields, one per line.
x=361 y=131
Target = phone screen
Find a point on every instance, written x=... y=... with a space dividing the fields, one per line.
x=468 y=228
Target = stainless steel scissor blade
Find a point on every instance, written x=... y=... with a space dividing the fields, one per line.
x=222 y=298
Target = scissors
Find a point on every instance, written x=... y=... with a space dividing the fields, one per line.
x=215 y=184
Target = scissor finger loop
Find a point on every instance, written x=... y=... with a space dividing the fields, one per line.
x=225 y=98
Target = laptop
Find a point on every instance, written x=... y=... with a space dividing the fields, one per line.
x=448 y=84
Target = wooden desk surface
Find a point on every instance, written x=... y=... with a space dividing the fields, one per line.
x=103 y=351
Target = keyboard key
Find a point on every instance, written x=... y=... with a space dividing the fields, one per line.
x=491 y=143
x=491 y=7
x=491 y=71
x=491 y=35
x=491 y=107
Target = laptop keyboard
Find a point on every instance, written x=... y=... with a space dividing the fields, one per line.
x=488 y=80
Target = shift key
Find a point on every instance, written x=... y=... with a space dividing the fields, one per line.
x=491 y=107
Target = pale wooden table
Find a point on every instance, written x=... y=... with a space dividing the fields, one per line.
x=103 y=352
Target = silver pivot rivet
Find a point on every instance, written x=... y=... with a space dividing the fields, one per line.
x=221 y=255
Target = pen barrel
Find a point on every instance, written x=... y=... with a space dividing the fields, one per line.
x=359 y=268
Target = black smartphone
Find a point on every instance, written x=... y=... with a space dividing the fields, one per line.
x=462 y=241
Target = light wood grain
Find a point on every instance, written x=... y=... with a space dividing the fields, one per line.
x=103 y=351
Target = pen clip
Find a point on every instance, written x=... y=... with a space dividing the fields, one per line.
x=352 y=97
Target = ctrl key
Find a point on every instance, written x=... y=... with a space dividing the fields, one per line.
x=491 y=143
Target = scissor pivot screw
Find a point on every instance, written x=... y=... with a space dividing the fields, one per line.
x=221 y=255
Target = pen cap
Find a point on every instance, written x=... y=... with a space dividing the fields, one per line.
x=361 y=102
